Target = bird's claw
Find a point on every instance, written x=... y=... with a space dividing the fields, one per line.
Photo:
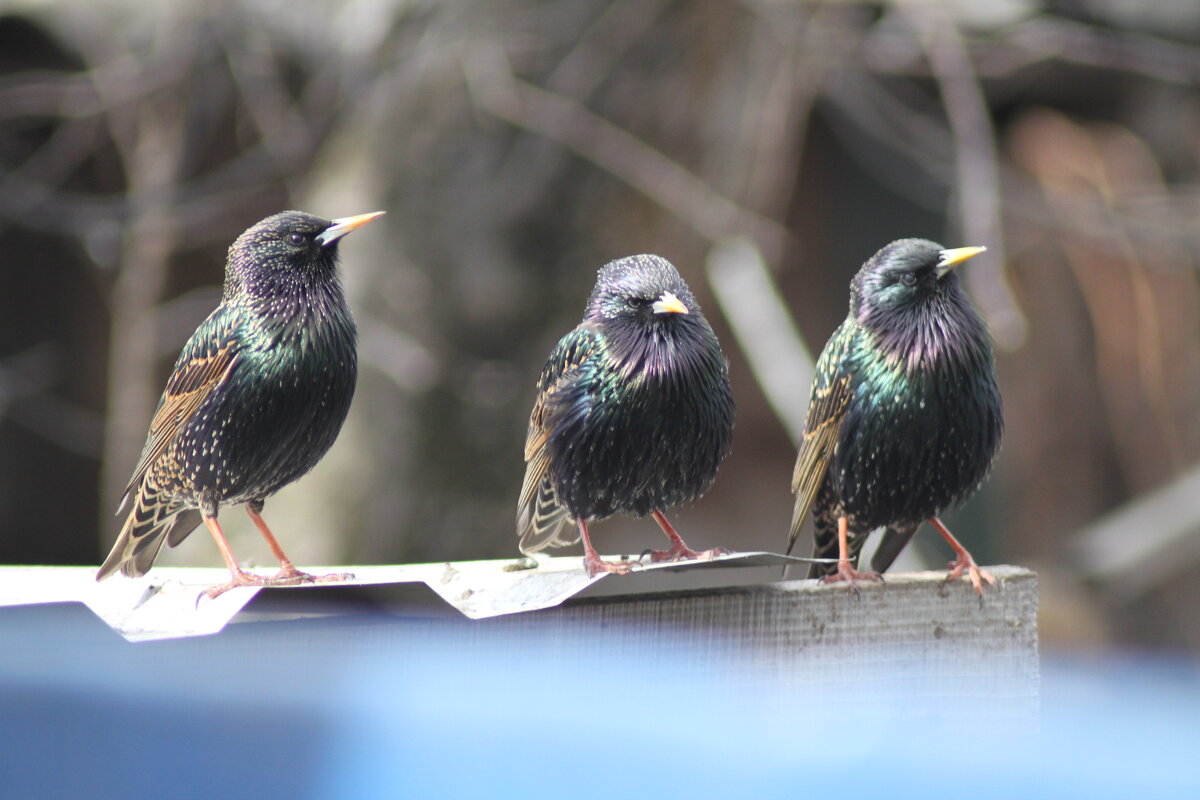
x=684 y=553
x=845 y=572
x=285 y=577
x=596 y=565
x=977 y=576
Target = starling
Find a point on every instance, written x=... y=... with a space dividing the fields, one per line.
x=633 y=414
x=904 y=419
x=255 y=399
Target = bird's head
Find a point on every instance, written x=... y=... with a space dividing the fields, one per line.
x=288 y=247
x=906 y=278
x=644 y=291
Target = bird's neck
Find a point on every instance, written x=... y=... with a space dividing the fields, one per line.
x=944 y=332
x=300 y=311
x=659 y=351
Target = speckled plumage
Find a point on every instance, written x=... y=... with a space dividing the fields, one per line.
x=257 y=396
x=905 y=417
x=634 y=411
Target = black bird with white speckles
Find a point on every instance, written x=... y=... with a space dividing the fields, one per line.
x=634 y=413
x=254 y=401
x=904 y=419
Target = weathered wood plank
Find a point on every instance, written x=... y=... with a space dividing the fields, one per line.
x=909 y=639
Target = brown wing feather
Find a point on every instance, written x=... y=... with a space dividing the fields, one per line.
x=822 y=427
x=188 y=387
x=540 y=518
x=206 y=363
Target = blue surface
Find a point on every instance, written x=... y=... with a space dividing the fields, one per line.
x=389 y=708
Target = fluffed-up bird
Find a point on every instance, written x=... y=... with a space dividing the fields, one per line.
x=634 y=414
x=254 y=401
x=904 y=419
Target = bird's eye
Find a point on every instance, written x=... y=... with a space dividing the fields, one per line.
x=296 y=238
x=637 y=302
x=908 y=279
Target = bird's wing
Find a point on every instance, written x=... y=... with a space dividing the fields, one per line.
x=540 y=517
x=826 y=410
x=205 y=364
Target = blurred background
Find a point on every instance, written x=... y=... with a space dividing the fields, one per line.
x=765 y=148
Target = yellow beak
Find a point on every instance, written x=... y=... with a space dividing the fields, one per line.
x=668 y=304
x=952 y=258
x=344 y=225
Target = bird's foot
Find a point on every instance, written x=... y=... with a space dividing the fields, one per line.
x=594 y=565
x=239 y=578
x=681 y=552
x=964 y=562
x=846 y=572
x=287 y=576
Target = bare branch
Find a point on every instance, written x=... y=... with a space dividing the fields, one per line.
x=978 y=180
x=284 y=133
x=751 y=302
x=1165 y=544
x=570 y=124
x=601 y=47
x=1152 y=57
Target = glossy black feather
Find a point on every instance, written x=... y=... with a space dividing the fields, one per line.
x=905 y=416
x=634 y=410
x=258 y=394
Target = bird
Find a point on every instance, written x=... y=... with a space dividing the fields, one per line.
x=633 y=414
x=904 y=418
x=255 y=399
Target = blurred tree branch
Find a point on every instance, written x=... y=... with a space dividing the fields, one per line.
x=977 y=179
x=569 y=123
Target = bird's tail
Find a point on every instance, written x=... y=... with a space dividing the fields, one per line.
x=892 y=543
x=146 y=528
x=799 y=512
x=542 y=522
